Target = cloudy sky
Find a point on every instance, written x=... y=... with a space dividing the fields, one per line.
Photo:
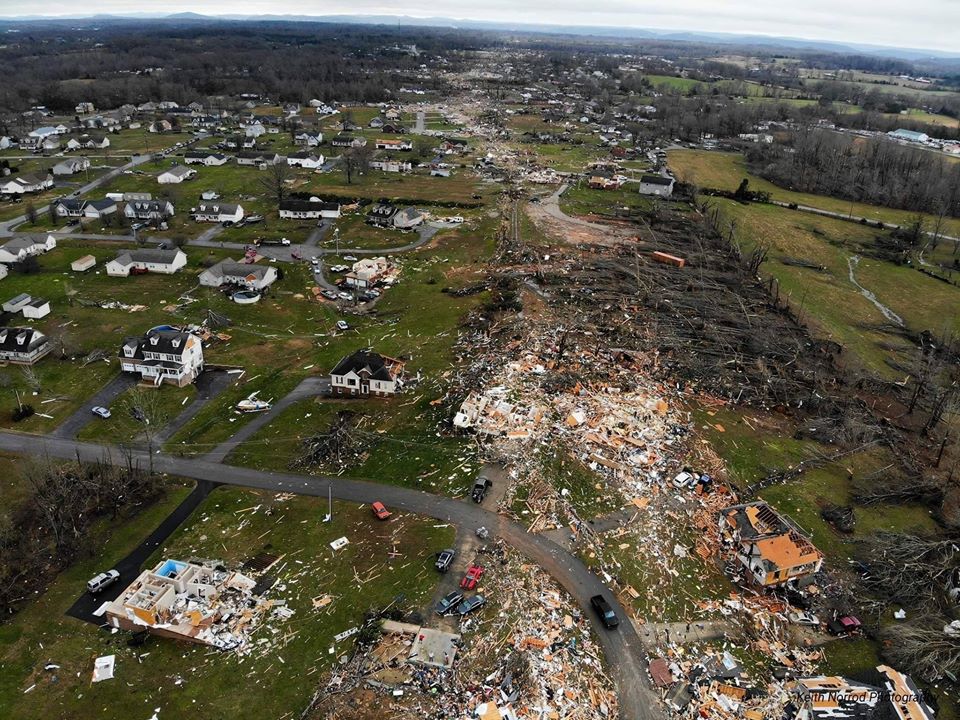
x=933 y=24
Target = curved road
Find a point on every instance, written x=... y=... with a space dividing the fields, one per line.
x=624 y=650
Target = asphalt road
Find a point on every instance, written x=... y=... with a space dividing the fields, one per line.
x=623 y=647
x=104 y=398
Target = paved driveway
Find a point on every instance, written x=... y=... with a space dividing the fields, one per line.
x=105 y=397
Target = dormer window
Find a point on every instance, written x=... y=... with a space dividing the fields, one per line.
x=154 y=340
x=175 y=342
x=21 y=338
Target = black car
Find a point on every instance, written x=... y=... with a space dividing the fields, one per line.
x=607 y=616
x=444 y=558
x=449 y=602
x=471 y=604
x=480 y=488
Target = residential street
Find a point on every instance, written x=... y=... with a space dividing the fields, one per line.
x=624 y=649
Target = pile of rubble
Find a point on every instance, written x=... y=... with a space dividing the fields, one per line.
x=531 y=657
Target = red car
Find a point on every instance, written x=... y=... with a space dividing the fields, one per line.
x=379 y=511
x=470 y=580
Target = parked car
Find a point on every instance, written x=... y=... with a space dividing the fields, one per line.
x=255 y=219
x=345 y=296
x=101 y=581
x=471 y=603
x=470 y=580
x=342 y=325
x=329 y=294
x=444 y=559
x=349 y=258
x=480 y=487
x=339 y=268
x=100 y=411
x=314 y=261
x=607 y=616
x=380 y=511
x=449 y=602
x=844 y=625
x=684 y=480
x=804 y=618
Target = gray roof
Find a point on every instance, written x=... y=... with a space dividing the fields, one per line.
x=146 y=255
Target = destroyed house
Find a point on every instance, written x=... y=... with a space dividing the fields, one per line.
x=882 y=694
x=367 y=373
x=771 y=549
x=195 y=603
x=169 y=356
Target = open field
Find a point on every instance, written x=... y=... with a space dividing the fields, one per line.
x=287 y=657
x=724 y=171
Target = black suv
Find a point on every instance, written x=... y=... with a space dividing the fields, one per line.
x=444 y=558
x=480 y=488
x=607 y=616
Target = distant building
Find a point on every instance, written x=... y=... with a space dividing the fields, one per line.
x=149 y=210
x=245 y=275
x=909 y=136
x=71 y=166
x=175 y=175
x=163 y=356
x=201 y=157
x=367 y=373
x=309 y=209
x=140 y=262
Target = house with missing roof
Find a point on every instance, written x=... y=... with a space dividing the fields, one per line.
x=163 y=356
x=366 y=373
x=881 y=694
x=22 y=346
x=146 y=260
x=768 y=546
x=244 y=275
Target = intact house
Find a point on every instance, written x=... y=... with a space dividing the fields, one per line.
x=22 y=246
x=69 y=207
x=201 y=157
x=49 y=131
x=656 y=185
x=407 y=218
x=257 y=159
x=309 y=209
x=367 y=373
x=308 y=160
x=390 y=165
x=142 y=261
x=22 y=346
x=245 y=275
x=25 y=184
x=176 y=174
x=381 y=215
x=367 y=272
x=770 y=548
x=388 y=144
x=163 y=356
x=149 y=210
x=87 y=142
x=71 y=166
x=99 y=209
x=308 y=139
x=217 y=212
x=348 y=141
x=880 y=694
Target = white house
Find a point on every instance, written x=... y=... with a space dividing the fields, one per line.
x=163 y=356
x=139 y=262
x=23 y=346
x=656 y=185
x=148 y=210
x=307 y=160
x=367 y=373
x=85 y=108
x=308 y=139
x=309 y=209
x=367 y=272
x=201 y=157
x=24 y=184
x=69 y=207
x=245 y=275
x=258 y=159
x=36 y=309
x=18 y=248
x=407 y=218
x=389 y=144
x=254 y=130
x=176 y=174
x=218 y=212
x=71 y=166
x=44 y=132
x=3 y=272
x=99 y=209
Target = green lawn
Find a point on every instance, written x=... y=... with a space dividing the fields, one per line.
x=383 y=562
x=584 y=200
x=159 y=404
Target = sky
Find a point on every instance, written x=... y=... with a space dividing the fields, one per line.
x=925 y=24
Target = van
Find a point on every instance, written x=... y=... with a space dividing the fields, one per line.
x=101 y=581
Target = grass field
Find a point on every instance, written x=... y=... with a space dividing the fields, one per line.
x=724 y=171
x=176 y=679
x=584 y=200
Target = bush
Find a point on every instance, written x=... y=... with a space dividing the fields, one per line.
x=22 y=412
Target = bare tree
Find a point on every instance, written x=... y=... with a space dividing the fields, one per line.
x=31 y=213
x=927 y=646
x=355 y=161
x=274 y=180
x=145 y=405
